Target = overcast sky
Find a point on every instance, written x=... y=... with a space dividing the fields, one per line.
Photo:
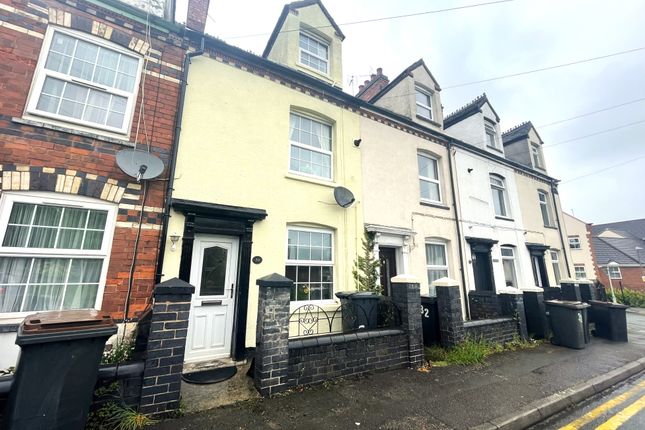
x=488 y=41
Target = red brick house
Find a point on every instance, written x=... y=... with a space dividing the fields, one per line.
x=79 y=82
x=623 y=243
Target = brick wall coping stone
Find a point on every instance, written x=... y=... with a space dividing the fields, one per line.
x=478 y=323
x=174 y=286
x=569 y=281
x=341 y=338
x=510 y=291
x=445 y=282
x=532 y=290
x=274 y=280
x=405 y=279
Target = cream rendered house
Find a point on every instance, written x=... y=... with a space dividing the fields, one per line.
x=265 y=141
x=407 y=190
x=540 y=207
x=579 y=240
x=489 y=209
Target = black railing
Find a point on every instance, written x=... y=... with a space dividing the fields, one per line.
x=313 y=320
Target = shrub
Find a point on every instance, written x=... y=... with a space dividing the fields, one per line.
x=632 y=298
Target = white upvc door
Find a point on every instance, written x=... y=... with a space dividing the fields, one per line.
x=214 y=275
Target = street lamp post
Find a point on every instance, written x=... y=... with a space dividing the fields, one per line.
x=610 y=265
x=638 y=255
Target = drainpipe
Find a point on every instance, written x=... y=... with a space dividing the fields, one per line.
x=173 y=159
x=554 y=190
x=453 y=186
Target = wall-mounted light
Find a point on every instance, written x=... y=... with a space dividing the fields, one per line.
x=357 y=142
x=174 y=238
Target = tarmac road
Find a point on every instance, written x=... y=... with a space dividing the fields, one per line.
x=622 y=408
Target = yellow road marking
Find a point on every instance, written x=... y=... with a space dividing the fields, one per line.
x=610 y=404
x=621 y=417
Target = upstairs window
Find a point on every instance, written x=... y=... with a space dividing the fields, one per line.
x=500 y=197
x=614 y=272
x=310 y=263
x=508 y=262
x=574 y=242
x=424 y=103
x=314 y=52
x=429 y=179
x=85 y=81
x=545 y=208
x=310 y=147
x=491 y=136
x=53 y=254
x=536 y=156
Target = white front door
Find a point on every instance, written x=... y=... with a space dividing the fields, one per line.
x=214 y=275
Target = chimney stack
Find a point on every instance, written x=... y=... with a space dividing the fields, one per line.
x=197 y=14
x=373 y=86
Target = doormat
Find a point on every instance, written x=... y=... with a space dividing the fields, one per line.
x=211 y=376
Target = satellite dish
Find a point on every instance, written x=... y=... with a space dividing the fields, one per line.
x=139 y=164
x=343 y=197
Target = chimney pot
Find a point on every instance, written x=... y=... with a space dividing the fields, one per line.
x=360 y=87
x=372 y=76
x=366 y=82
x=379 y=71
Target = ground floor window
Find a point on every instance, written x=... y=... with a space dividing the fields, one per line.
x=508 y=261
x=555 y=261
x=53 y=253
x=581 y=273
x=310 y=263
x=436 y=261
x=614 y=272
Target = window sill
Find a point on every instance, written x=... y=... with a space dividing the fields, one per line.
x=326 y=305
x=551 y=227
x=494 y=148
x=434 y=205
x=70 y=130
x=504 y=218
x=318 y=73
x=429 y=120
x=311 y=180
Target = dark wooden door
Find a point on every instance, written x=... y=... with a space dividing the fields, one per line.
x=388 y=267
x=483 y=271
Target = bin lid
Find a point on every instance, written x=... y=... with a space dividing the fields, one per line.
x=60 y=321
x=567 y=304
x=344 y=294
x=366 y=295
x=607 y=304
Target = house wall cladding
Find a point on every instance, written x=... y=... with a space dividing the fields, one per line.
x=37 y=156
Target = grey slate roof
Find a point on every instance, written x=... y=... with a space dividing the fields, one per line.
x=620 y=250
x=404 y=74
x=469 y=109
x=518 y=132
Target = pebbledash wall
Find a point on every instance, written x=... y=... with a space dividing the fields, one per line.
x=76 y=163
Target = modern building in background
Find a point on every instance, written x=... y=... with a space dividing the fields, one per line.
x=580 y=246
x=622 y=243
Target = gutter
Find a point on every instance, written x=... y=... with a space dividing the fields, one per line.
x=557 y=220
x=453 y=186
x=173 y=159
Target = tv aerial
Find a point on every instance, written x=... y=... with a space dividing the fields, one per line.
x=139 y=164
x=343 y=197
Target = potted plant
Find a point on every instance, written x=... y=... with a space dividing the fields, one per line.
x=368 y=285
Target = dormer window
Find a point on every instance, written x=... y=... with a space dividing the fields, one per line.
x=314 y=52
x=536 y=155
x=491 y=136
x=424 y=103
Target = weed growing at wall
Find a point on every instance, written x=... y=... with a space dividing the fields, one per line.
x=473 y=351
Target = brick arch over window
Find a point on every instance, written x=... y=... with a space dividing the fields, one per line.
x=67 y=181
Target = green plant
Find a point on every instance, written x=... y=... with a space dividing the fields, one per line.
x=120 y=352
x=473 y=351
x=125 y=418
x=366 y=267
x=631 y=298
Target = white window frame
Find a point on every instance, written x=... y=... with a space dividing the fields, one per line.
x=42 y=73
x=7 y=200
x=428 y=94
x=574 y=242
x=319 y=40
x=435 y=266
x=548 y=222
x=614 y=272
x=536 y=155
x=555 y=262
x=321 y=263
x=577 y=272
x=490 y=131
x=514 y=265
x=312 y=148
x=429 y=179
x=504 y=190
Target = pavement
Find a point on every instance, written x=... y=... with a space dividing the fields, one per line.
x=512 y=390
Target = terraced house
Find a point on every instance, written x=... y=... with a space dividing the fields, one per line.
x=82 y=81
